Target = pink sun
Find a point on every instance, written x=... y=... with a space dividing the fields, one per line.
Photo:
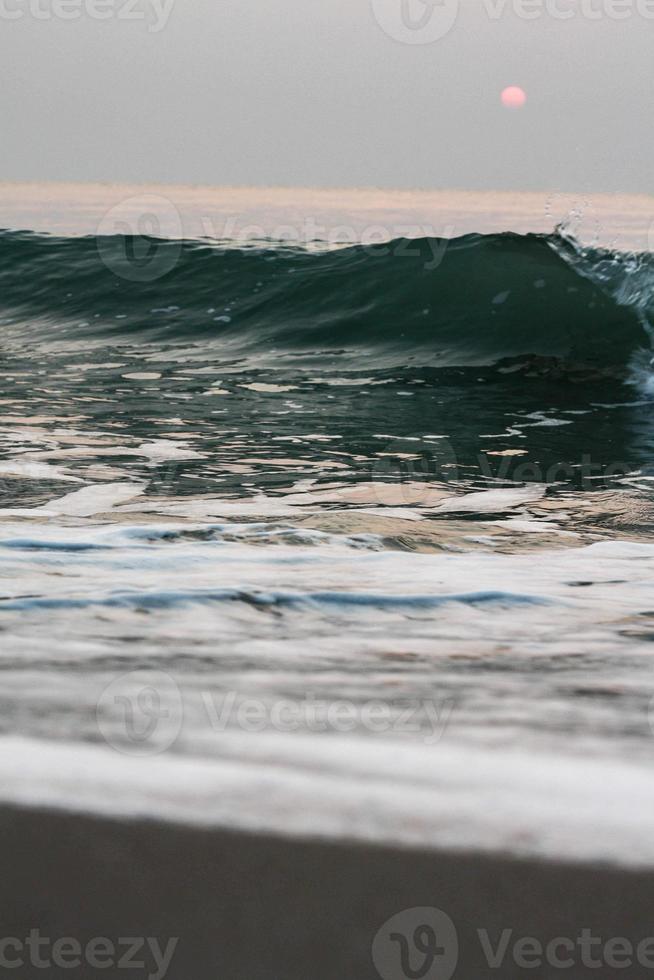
x=513 y=97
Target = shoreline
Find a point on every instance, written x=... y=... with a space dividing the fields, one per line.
x=453 y=799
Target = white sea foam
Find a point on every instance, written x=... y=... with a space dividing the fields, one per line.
x=460 y=798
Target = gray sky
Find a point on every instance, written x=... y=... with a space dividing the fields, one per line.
x=329 y=92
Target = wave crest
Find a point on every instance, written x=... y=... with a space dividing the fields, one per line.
x=474 y=300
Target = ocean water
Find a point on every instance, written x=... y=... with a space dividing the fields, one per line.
x=345 y=534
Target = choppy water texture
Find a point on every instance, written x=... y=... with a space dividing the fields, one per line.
x=286 y=527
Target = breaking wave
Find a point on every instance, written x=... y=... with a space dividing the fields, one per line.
x=474 y=300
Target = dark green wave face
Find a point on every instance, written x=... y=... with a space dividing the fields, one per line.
x=475 y=300
x=485 y=358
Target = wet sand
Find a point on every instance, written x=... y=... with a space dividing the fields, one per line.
x=255 y=907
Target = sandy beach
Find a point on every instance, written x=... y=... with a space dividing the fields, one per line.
x=259 y=906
